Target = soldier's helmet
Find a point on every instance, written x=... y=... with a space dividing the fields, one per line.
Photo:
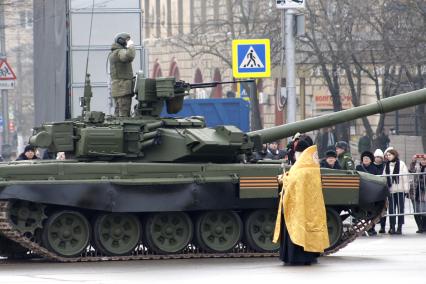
x=121 y=38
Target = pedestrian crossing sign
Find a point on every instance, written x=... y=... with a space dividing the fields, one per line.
x=251 y=58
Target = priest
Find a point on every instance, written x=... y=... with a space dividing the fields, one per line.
x=301 y=225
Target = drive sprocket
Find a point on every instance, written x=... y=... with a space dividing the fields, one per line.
x=26 y=217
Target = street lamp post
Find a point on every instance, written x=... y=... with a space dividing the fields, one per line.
x=4 y=93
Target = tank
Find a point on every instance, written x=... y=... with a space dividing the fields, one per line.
x=151 y=187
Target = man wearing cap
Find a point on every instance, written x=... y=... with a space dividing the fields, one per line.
x=28 y=154
x=344 y=156
x=330 y=161
x=120 y=59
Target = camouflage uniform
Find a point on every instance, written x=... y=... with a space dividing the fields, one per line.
x=346 y=162
x=121 y=78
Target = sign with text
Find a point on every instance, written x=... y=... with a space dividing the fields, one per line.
x=323 y=100
x=7 y=84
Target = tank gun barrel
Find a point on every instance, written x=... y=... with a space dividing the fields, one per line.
x=382 y=106
x=215 y=83
x=181 y=88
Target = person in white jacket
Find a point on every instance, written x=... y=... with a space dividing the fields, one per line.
x=397 y=179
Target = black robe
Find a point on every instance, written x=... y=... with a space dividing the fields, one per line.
x=292 y=254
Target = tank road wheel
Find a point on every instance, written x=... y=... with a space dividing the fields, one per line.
x=26 y=216
x=334 y=226
x=116 y=234
x=168 y=232
x=66 y=233
x=259 y=230
x=218 y=231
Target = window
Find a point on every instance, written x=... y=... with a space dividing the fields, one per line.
x=191 y=15
x=147 y=19
x=26 y=19
x=158 y=18
x=169 y=17
x=180 y=16
x=203 y=16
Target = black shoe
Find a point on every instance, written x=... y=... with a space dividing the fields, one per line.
x=420 y=231
x=372 y=232
x=391 y=231
x=398 y=231
x=382 y=231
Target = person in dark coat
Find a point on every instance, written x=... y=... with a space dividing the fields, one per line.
x=273 y=153
x=325 y=141
x=367 y=165
x=330 y=161
x=418 y=192
x=28 y=154
x=260 y=155
x=364 y=144
x=382 y=140
x=379 y=161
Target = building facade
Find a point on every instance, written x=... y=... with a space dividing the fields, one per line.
x=19 y=51
x=170 y=25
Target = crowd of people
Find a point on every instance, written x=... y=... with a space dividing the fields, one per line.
x=33 y=153
x=384 y=160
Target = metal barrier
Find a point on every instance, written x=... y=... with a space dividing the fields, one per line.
x=412 y=201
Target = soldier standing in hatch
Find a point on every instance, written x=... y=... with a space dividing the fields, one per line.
x=120 y=59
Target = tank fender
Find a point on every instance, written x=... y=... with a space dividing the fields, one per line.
x=129 y=198
x=372 y=189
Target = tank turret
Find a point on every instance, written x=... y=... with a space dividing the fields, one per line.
x=150 y=138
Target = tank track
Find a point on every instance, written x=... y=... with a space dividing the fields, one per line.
x=240 y=251
x=350 y=233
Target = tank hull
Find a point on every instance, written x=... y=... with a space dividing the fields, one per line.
x=38 y=199
x=157 y=187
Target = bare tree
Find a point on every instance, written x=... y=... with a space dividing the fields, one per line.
x=414 y=64
x=244 y=19
x=326 y=48
x=365 y=40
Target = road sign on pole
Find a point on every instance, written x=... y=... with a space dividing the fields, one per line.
x=251 y=58
x=6 y=72
x=7 y=76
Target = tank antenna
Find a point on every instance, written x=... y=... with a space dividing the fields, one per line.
x=90 y=35
x=85 y=101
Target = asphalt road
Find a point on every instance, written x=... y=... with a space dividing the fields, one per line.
x=369 y=259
